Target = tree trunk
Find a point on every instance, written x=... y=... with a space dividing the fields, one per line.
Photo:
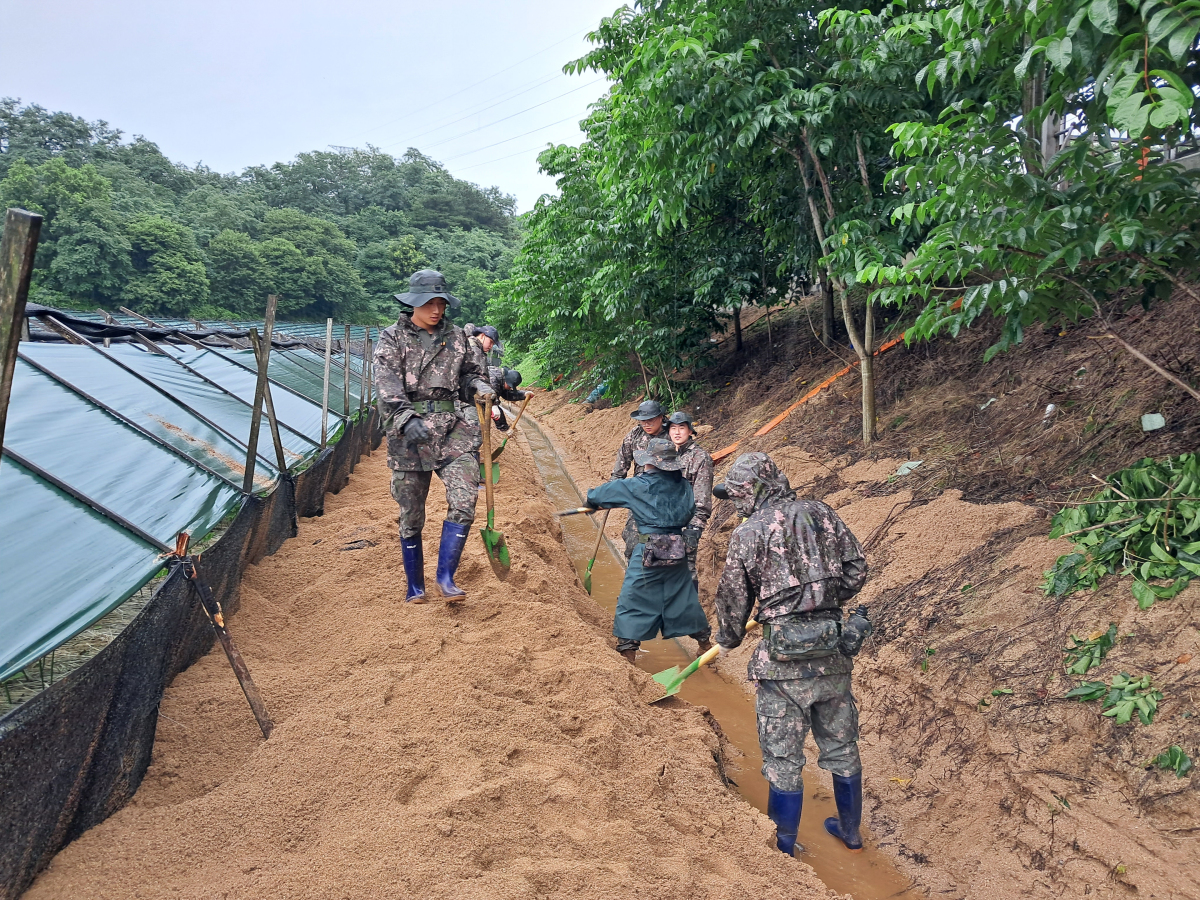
x=737 y=329
x=864 y=347
x=827 y=325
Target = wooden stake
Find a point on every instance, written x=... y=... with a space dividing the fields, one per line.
x=346 y=375
x=325 y=392
x=259 y=391
x=216 y=617
x=264 y=349
x=17 y=249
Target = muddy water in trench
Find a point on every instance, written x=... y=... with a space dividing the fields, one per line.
x=866 y=876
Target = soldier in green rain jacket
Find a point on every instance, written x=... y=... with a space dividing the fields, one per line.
x=658 y=594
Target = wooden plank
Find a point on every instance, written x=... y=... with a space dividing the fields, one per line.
x=17 y=249
x=346 y=374
x=325 y=391
x=264 y=348
x=259 y=391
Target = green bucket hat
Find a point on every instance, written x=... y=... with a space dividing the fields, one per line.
x=424 y=286
x=659 y=453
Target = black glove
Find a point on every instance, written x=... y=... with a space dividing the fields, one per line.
x=856 y=629
x=416 y=431
x=691 y=537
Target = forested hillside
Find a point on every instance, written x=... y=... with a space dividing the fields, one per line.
x=333 y=233
x=930 y=163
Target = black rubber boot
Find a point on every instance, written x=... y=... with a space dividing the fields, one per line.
x=454 y=538
x=847 y=794
x=414 y=568
x=783 y=808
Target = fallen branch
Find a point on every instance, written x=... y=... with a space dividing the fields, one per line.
x=1153 y=365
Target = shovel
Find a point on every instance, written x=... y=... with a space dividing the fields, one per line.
x=512 y=429
x=587 y=576
x=672 y=679
x=493 y=540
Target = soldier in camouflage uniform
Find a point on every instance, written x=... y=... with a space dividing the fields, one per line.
x=800 y=563
x=649 y=417
x=698 y=470
x=657 y=593
x=423 y=365
x=505 y=382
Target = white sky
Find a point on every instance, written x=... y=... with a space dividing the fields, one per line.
x=477 y=85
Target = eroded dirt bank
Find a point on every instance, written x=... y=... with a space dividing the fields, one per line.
x=498 y=749
x=973 y=794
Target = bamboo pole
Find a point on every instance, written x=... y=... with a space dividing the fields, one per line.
x=368 y=379
x=264 y=348
x=325 y=392
x=259 y=391
x=17 y=249
x=346 y=375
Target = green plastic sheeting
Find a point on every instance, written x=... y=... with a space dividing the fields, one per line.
x=64 y=566
x=90 y=424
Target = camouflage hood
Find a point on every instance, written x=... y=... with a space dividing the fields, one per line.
x=754 y=481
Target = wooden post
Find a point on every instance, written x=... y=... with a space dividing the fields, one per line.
x=259 y=392
x=17 y=248
x=368 y=375
x=325 y=392
x=263 y=349
x=346 y=375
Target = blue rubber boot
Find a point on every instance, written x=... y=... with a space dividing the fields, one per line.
x=454 y=538
x=847 y=794
x=783 y=808
x=414 y=568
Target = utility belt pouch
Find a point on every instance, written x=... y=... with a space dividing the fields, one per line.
x=793 y=641
x=691 y=537
x=663 y=550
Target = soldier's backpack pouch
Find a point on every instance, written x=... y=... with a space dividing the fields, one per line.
x=663 y=550
x=792 y=641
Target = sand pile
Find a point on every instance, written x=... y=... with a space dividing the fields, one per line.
x=497 y=749
x=1024 y=793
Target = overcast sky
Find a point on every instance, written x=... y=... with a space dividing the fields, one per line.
x=477 y=85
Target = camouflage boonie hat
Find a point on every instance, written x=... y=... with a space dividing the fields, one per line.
x=659 y=453
x=424 y=286
x=755 y=474
x=682 y=418
x=649 y=409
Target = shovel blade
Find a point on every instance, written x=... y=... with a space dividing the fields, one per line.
x=495 y=473
x=670 y=679
x=497 y=549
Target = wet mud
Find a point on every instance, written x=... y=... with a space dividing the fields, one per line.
x=869 y=875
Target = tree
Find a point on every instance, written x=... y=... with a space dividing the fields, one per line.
x=238 y=275
x=169 y=276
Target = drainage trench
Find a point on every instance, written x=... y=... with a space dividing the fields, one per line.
x=869 y=875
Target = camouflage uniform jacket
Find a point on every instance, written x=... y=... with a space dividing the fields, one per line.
x=698 y=470
x=798 y=560
x=637 y=439
x=405 y=372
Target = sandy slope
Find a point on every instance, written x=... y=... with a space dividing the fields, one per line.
x=496 y=749
x=1029 y=795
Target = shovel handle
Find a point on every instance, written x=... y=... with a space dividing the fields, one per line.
x=485 y=419
x=712 y=653
x=579 y=510
x=521 y=411
x=599 y=538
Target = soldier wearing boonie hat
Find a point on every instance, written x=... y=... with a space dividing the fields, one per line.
x=428 y=377
x=698 y=470
x=658 y=595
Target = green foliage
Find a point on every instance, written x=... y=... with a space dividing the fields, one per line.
x=333 y=233
x=1122 y=698
x=1029 y=229
x=1145 y=523
x=1173 y=759
x=1083 y=656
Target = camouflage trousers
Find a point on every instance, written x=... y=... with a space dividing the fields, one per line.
x=786 y=711
x=409 y=489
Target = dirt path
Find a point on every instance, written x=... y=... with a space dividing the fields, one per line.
x=495 y=750
x=1023 y=794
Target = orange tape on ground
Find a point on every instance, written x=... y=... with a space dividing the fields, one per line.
x=721 y=454
x=812 y=393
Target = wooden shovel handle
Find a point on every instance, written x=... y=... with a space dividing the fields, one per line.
x=600 y=536
x=485 y=420
x=521 y=411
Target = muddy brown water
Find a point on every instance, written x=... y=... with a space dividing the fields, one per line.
x=869 y=875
